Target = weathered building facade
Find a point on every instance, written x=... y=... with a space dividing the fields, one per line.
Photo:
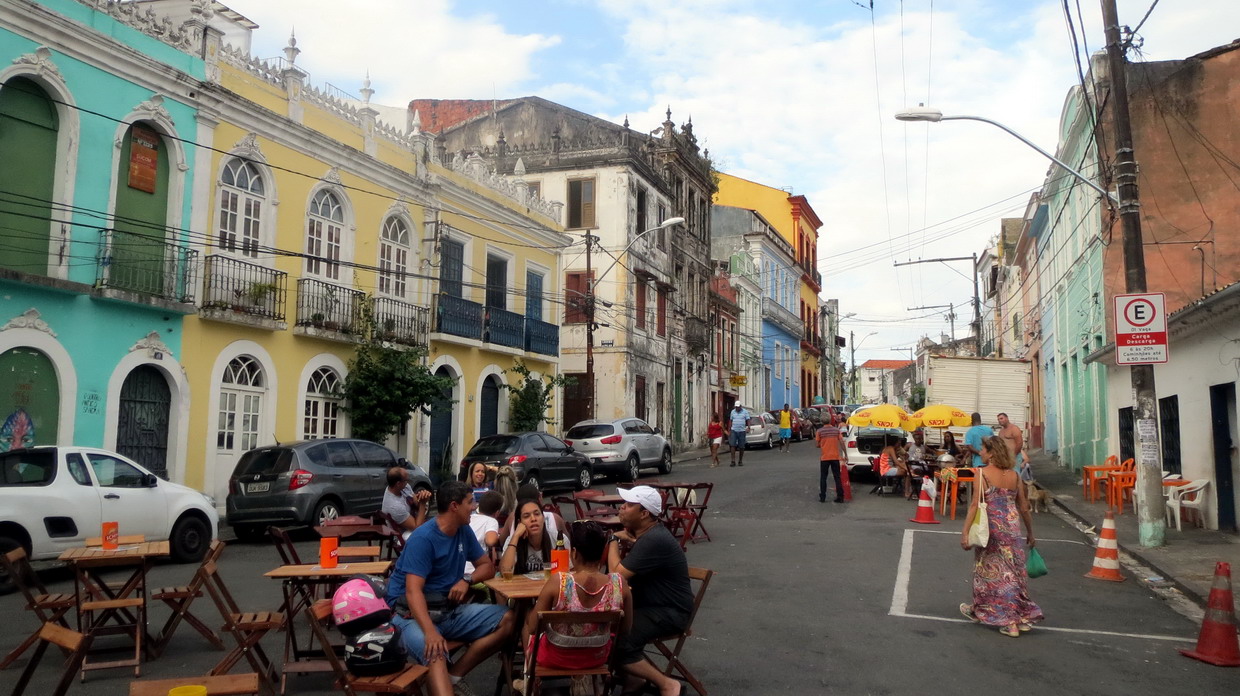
x=645 y=288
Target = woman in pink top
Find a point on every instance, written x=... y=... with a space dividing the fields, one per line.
x=585 y=589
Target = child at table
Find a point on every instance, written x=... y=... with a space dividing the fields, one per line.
x=585 y=589
x=484 y=525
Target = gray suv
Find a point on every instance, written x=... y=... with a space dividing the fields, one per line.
x=624 y=446
x=309 y=482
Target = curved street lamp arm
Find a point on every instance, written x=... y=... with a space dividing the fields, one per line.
x=1044 y=153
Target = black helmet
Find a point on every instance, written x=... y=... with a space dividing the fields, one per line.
x=375 y=652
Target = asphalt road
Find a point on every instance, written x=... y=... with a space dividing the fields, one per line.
x=807 y=598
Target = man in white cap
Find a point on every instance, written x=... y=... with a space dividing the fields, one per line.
x=658 y=573
x=739 y=419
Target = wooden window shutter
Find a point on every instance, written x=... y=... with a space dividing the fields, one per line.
x=662 y=312
x=587 y=203
x=641 y=305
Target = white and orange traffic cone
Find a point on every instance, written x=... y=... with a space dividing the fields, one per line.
x=1217 y=643
x=925 y=509
x=1106 y=558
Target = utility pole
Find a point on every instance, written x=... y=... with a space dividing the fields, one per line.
x=1151 y=522
x=951 y=314
x=852 y=380
x=977 y=300
x=589 y=328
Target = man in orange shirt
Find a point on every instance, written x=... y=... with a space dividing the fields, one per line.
x=831 y=450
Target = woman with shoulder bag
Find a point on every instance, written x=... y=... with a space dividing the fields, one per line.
x=1000 y=581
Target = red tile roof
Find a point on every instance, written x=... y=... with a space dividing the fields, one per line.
x=885 y=364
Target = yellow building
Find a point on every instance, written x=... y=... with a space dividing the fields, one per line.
x=319 y=220
x=797 y=223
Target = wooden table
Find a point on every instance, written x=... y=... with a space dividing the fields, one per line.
x=297 y=582
x=122 y=540
x=522 y=592
x=357 y=553
x=611 y=499
x=356 y=532
x=104 y=603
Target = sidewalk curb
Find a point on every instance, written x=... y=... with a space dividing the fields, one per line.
x=1179 y=585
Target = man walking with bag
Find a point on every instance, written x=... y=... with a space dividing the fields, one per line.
x=831 y=450
x=739 y=419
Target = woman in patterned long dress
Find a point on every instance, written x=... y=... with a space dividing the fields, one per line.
x=1000 y=582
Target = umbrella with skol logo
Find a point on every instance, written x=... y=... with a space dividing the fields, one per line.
x=883 y=416
x=942 y=416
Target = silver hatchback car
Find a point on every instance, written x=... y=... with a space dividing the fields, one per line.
x=623 y=447
x=763 y=431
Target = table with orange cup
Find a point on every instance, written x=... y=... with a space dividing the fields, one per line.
x=521 y=592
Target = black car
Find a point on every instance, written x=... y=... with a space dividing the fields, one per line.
x=538 y=458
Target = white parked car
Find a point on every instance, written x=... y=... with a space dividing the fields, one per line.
x=54 y=498
x=864 y=443
x=622 y=447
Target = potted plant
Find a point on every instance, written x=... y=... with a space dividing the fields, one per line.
x=259 y=294
x=389 y=328
x=316 y=319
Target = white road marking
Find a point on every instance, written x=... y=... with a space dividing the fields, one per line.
x=899 y=596
x=948 y=531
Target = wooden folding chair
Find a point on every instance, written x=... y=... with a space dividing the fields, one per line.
x=406 y=681
x=226 y=685
x=247 y=628
x=48 y=607
x=396 y=542
x=180 y=598
x=600 y=675
x=288 y=556
x=76 y=644
x=671 y=646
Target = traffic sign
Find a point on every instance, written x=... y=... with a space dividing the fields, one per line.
x=1140 y=329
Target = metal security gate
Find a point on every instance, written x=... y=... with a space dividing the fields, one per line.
x=142 y=426
x=440 y=464
x=489 y=422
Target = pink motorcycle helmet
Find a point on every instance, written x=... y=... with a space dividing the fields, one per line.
x=356 y=607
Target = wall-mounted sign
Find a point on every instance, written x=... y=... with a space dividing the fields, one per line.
x=738 y=380
x=143 y=158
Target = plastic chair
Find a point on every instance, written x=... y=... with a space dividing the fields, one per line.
x=1120 y=488
x=1191 y=495
x=1091 y=475
x=953 y=489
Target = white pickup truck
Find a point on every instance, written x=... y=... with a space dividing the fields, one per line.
x=54 y=498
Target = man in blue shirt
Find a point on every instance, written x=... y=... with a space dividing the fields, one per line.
x=739 y=419
x=973 y=438
x=428 y=585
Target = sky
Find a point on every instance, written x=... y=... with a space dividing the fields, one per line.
x=796 y=94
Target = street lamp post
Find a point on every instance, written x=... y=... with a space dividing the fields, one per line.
x=1151 y=524
x=853 y=346
x=591 y=283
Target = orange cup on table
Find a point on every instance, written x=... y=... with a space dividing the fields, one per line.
x=111 y=534
x=559 y=560
x=328 y=552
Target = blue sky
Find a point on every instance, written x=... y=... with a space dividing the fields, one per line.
x=789 y=93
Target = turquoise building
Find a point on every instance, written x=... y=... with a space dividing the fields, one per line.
x=1070 y=251
x=97 y=129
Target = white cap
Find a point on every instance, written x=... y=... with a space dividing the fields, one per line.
x=737 y=404
x=644 y=496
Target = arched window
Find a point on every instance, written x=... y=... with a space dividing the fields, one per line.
x=321 y=412
x=241 y=405
x=241 y=208
x=393 y=257
x=324 y=235
x=29 y=132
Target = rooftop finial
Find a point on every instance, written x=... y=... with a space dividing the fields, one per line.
x=291 y=51
x=366 y=91
x=626 y=120
x=416 y=124
x=669 y=112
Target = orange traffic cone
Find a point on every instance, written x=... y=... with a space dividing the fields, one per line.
x=1217 y=642
x=844 y=482
x=1106 y=559
x=925 y=509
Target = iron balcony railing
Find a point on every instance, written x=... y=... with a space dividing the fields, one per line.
x=505 y=328
x=245 y=288
x=147 y=265
x=329 y=307
x=400 y=322
x=541 y=337
x=457 y=316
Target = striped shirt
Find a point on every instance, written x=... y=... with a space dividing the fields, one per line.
x=829 y=441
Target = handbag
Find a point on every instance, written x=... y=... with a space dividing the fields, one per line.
x=1034 y=565
x=979 y=532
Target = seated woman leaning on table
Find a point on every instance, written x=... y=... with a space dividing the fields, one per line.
x=585 y=589
x=529 y=548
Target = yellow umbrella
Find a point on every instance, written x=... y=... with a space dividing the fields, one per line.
x=942 y=416
x=883 y=416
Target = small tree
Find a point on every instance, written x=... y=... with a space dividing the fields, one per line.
x=385 y=385
x=531 y=399
x=917 y=400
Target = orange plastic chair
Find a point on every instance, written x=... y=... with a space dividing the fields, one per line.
x=1120 y=488
x=1104 y=479
x=963 y=475
x=1091 y=475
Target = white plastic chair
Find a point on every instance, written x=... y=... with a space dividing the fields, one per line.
x=1191 y=495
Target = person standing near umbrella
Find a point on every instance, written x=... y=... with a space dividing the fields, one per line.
x=831 y=451
x=973 y=438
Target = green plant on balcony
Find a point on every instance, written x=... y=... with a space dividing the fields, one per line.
x=259 y=295
x=316 y=319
